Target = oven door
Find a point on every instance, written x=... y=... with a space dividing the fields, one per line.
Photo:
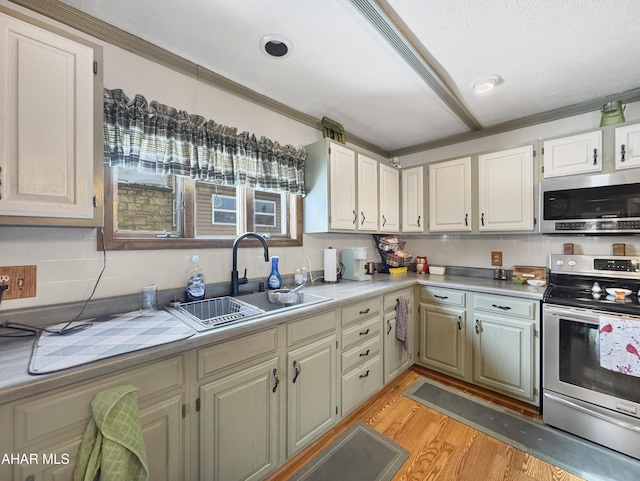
x=579 y=395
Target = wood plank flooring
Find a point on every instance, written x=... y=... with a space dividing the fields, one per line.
x=441 y=448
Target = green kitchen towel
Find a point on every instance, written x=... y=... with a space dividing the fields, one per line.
x=112 y=448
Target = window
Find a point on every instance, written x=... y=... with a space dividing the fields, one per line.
x=148 y=211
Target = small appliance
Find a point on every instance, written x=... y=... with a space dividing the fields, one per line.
x=354 y=260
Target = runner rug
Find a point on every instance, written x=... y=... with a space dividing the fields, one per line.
x=360 y=454
x=585 y=459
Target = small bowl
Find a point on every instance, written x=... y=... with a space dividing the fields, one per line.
x=437 y=270
x=618 y=292
x=536 y=282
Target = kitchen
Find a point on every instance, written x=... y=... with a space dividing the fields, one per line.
x=68 y=262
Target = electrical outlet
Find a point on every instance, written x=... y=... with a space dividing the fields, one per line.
x=21 y=281
x=496 y=258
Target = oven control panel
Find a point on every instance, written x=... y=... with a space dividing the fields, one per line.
x=617 y=266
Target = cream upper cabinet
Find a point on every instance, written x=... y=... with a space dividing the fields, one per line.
x=450 y=195
x=389 y=199
x=367 y=194
x=505 y=193
x=50 y=127
x=577 y=154
x=627 y=146
x=343 y=188
x=413 y=200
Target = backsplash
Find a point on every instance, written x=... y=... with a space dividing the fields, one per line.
x=68 y=263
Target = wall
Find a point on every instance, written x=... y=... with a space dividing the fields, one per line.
x=68 y=261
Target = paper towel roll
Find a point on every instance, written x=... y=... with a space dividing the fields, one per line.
x=330 y=265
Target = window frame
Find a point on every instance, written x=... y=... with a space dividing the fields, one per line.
x=138 y=241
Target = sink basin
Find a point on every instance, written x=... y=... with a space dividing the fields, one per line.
x=223 y=311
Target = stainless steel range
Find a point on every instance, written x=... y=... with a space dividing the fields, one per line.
x=591 y=349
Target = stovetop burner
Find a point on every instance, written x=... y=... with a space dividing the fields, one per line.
x=572 y=280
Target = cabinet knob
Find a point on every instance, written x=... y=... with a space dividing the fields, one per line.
x=622 y=153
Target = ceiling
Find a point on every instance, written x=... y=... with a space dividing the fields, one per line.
x=399 y=74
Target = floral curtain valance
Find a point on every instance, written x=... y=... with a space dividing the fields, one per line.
x=155 y=138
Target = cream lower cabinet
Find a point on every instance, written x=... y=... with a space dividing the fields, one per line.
x=443 y=334
x=396 y=357
x=484 y=339
x=49 y=427
x=239 y=407
x=505 y=355
x=312 y=403
x=361 y=354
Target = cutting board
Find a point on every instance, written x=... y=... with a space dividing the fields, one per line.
x=530 y=272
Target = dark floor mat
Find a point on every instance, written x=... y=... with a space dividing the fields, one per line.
x=571 y=453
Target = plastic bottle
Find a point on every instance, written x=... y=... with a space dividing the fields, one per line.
x=305 y=275
x=274 y=281
x=297 y=277
x=195 y=284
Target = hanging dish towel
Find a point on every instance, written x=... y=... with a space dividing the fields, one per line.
x=620 y=345
x=402 y=317
x=112 y=448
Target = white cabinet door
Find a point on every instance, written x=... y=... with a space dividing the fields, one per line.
x=239 y=424
x=389 y=199
x=413 y=200
x=46 y=125
x=367 y=194
x=503 y=354
x=505 y=193
x=443 y=339
x=311 y=392
x=343 y=188
x=628 y=146
x=577 y=154
x=450 y=195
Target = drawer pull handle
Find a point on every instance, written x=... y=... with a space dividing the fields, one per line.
x=440 y=297
x=366 y=311
x=296 y=368
x=477 y=326
x=363 y=354
x=364 y=333
x=504 y=308
x=389 y=327
x=276 y=380
x=366 y=374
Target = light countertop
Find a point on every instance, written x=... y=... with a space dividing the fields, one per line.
x=16 y=382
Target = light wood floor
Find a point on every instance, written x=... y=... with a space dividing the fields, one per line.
x=440 y=447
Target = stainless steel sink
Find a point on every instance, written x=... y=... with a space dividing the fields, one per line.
x=223 y=311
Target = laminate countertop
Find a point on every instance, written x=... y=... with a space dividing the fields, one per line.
x=15 y=354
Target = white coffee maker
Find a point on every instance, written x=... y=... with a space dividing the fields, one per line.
x=353 y=261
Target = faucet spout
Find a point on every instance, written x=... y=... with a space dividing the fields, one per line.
x=234 y=271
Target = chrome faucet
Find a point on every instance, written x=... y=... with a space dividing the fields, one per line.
x=234 y=273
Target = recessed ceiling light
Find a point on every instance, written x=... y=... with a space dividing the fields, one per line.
x=485 y=84
x=275 y=46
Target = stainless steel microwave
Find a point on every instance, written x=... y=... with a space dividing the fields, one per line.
x=591 y=204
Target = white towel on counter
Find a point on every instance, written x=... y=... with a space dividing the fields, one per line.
x=619 y=345
x=402 y=317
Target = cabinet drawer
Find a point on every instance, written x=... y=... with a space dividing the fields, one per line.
x=226 y=354
x=360 y=353
x=69 y=410
x=312 y=326
x=360 y=384
x=439 y=295
x=361 y=332
x=389 y=300
x=506 y=305
x=360 y=311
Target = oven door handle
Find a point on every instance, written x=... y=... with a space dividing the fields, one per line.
x=572 y=314
x=592 y=412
